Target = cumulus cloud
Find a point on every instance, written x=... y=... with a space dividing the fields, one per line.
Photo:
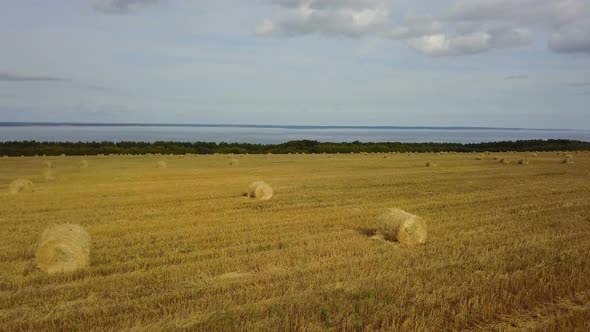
x=466 y=27
x=121 y=7
x=327 y=17
x=469 y=43
x=10 y=77
x=568 y=20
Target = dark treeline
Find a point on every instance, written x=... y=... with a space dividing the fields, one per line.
x=31 y=148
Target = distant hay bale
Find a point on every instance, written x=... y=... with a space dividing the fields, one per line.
x=569 y=156
x=48 y=175
x=478 y=158
x=260 y=190
x=161 y=164
x=430 y=164
x=63 y=248
x=504 y=161
x=234 y=162
x=403 y=227
x=567 y=161
x=83 y=164
x=534 y=154
x=48 y=164
x=20 y=186
x=523 y=162
x=356 y=210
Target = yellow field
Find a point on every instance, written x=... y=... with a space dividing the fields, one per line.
x=179 y=248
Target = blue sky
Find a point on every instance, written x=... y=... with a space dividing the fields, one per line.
x=510 y=63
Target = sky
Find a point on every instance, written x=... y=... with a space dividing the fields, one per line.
x=496 y=63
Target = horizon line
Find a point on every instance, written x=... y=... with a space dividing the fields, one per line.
x=224 y=125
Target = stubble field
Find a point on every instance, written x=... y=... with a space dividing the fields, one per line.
x=179 y=248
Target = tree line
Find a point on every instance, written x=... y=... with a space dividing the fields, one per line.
x=32 y=148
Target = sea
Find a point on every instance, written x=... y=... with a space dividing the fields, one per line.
x=262 y=134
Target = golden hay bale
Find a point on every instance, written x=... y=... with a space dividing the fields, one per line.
x=48 y=175
x=534 y=154
x=161 y=164
x=495 y=158
x=569 y=156
x=63 y=248
x=430 y=164
x=406 y=228
x=479 y=158
x=523 y=162
x=234 y=162
x=20 y=186
x=48 y=164
x=504 y=161
x=567 y=161
x=83 y=164
x=260 y=190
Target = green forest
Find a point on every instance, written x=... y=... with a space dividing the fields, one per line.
x=33 y=148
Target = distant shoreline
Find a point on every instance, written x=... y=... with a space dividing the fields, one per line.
x=296 y=127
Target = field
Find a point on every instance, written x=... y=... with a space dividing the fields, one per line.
x=179 y=248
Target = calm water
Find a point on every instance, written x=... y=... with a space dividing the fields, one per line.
x=274 y=135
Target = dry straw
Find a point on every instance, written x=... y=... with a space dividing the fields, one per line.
x=83 y=164
x=523 y=162
x=534 y=154
x=48 y=164
x=63 y=248
x=48 y=175
x=20 y=186
x=406 y=228
x=504 y=161
x=260 y=190
x=161 y=164
x=567 y=161
x=430 y=164
x=234 y=162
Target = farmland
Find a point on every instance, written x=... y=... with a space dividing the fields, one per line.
x=179 y=248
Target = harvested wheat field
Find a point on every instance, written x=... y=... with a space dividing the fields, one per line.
x=508 y=246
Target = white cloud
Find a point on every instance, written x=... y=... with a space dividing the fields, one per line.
x=470 y=43
x=349 y=18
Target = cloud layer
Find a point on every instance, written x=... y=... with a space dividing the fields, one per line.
x=466 y=27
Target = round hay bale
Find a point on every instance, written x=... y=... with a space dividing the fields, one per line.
x=48 y=175
x=20 y=186
x=83 y=164
x=430 y=164
x=569 y=156
x=523 y=162
x=403 y=227
x=479 y=158
x=260 y=190
x=48 y=164
x=161 y=164
x=234 y=162
x=534 y=154
x=567 y=161
x=504 y=161
x=63 y=248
